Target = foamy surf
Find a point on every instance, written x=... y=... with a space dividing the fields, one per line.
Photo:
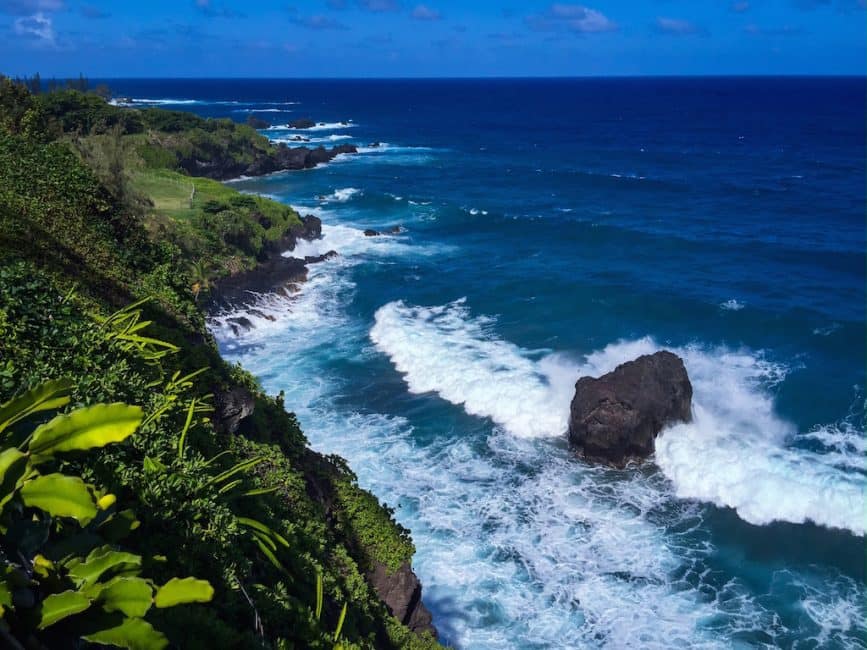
x=340 y=195
x=321 y=126
x=444 y=350
x=353 y=246
x=735 y=453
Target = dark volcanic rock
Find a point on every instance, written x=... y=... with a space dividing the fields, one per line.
x=230 y=407
x=311 y=228
x=257 y=122
x=394 y=230
x=401 y=593
x=223 y=166
x=318 y=155
x=242 y=322
x=315 y=259
x=305 y=158
x=616 y=417
x=303 y=123
x=273 y=275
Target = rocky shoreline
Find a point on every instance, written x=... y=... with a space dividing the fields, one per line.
x=400 y=590
x=280 y=158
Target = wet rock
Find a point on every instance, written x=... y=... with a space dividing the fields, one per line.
x=315 y=259
x=242 y=322
x=372 y=233
x=303 y=123
x=273 y=275
x=262 y=314
x=616 y=417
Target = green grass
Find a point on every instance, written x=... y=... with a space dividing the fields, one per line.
x=171 y=193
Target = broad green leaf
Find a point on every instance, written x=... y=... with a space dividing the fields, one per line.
x=132 y=633
x=99 y=562
x=86 y=428
x=13 y=464
x=56 y=607
x=45 y=397
x=178 y=591
x=132 y=596
x=60 y=496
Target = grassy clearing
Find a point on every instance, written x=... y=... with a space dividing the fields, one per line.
x=171 y=193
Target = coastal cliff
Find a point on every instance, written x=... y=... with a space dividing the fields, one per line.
x=100 y=214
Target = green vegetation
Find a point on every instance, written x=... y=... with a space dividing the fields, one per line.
x=104 y=250
x=64 y=577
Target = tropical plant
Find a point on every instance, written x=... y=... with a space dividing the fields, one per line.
x=200 y=277
x=62 y=575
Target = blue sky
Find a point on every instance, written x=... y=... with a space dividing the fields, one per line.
x=387 y=38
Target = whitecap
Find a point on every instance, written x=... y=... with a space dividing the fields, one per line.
x=735 y=453
x=321 y=126
x=341 y=196
x=732 y=305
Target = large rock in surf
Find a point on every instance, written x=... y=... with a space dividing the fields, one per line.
x=616 y=417
x=303 y=123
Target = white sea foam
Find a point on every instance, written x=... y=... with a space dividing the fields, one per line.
x=519 y=545
x=386 y=147
x=827 y=330
x=320 y=126
x=158 y=102
x=271 y=315
x=261 y=110
x=354 y=246
x=340 y=196
x=736 y=452
x=444 y=350
x=732 y=305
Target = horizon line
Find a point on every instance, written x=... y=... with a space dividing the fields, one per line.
x=462 y=78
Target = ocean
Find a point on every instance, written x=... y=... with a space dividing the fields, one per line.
x=551 y=229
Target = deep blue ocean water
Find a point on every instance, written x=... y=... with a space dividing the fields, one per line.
x=555 y=228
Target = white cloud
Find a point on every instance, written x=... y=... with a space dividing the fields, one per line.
x=575 y=18
x=37 y=26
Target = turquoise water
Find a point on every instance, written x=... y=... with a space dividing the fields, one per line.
x=552 y=229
